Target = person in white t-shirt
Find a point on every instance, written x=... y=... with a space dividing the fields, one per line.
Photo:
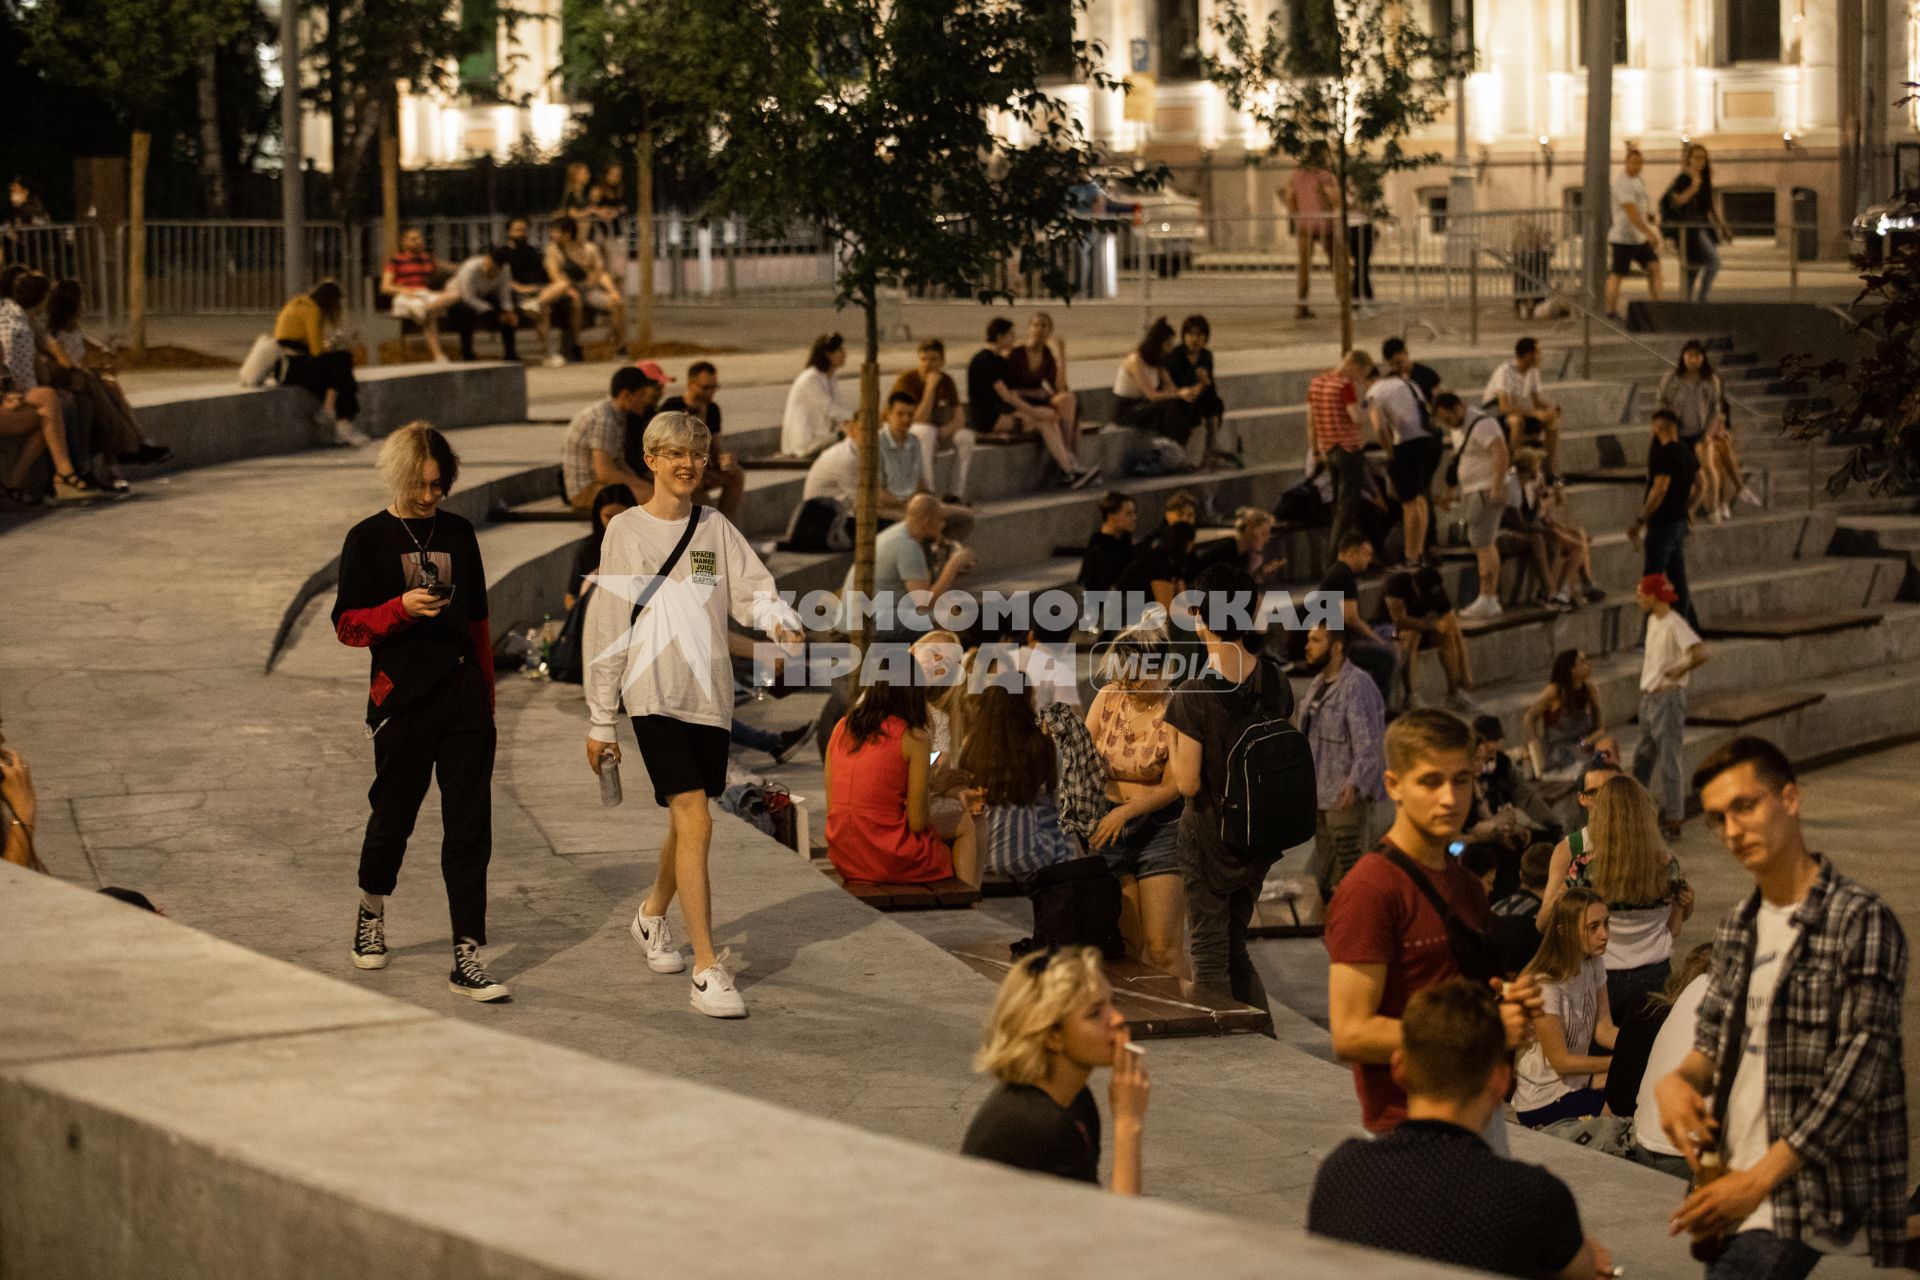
x=814 y=416
x=1403 y=421
x=1671 y=1044
x=1797 y=1043
x=1673 y=650
x=1513 y=391
x=1631 y=238
x=670 y=669
x=1481 y=481
x=1556 y=1078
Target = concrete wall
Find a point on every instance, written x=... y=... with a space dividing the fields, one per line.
x=221 y=423
x=172 y=1105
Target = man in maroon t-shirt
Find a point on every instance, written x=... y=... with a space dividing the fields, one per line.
x=1384 y=938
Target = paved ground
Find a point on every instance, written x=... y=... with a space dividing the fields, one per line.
x=131 y=654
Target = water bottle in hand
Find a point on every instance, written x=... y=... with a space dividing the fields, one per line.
x=609 y=779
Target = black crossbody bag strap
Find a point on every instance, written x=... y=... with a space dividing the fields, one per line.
x=666 y=566
x=1475 y=967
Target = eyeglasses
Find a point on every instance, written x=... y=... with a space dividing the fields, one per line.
x=680 y=455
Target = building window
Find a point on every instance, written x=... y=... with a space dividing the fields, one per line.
x=1056 y=51
x=1753 y=30
x=1433 y=209
x=1750 y=212
x=1177 y=28
x=480 y=68
x=1619 y=32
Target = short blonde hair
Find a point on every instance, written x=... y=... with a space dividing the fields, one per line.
x=1248 y=517
x=1423 y=734
x=1038 y=995
x=674 y=430
x=1140 y=645
x=404 y=454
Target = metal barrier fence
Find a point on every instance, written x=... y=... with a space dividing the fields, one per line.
x=232 y=268
x=63 y=251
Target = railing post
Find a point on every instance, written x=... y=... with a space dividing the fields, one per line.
x=1586 y=343
x=1793 y=262
x=1473 y=284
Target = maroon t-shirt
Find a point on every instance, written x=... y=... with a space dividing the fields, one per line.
x=1377 y=916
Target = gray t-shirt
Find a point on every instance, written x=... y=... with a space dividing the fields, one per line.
x=1628 y=191
x=897 y=557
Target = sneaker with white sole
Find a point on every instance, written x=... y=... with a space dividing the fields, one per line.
x=656 y=940
x=470 y=977
x=714 y=994
x=555 y=361
x=370 y=940
x=1481 y=608
x=347 y=434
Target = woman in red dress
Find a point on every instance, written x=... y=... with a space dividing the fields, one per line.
x=877 y=765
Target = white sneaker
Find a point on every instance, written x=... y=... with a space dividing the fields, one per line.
x=1482 y=607
x=713 y=992
x=346 y=433
x=555 y=361
x=656 y=939
x=441 y=357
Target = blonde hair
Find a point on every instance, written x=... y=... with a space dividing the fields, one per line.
x=1629 y=860
x=1698 y=961
x=1248 y=517
x=1563 y=944
x=1526 y=462
x=943 y=696
x=675 y=430
x=404 y=454
x=1425 y=734
x=1031 y=1006
x=1142 y=644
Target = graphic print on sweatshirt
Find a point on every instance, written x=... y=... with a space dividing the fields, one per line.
x=438 y=567
x=706 y=568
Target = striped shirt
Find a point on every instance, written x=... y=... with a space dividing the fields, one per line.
x=412 y=270
x=1329 y=397
x=1018 y=840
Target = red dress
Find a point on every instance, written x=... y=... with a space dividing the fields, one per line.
x=867 y=835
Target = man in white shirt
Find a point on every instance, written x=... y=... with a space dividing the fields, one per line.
x=1404 y=425
x=483 y=287
x=1514 y=392
x=1631 y=238
x=814 y=416
x=1484 y=464
x=1673 y=650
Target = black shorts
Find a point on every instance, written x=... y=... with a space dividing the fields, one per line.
x=1412 y=467
x=1626 y=256
x=682 y=757
x=1532 y=429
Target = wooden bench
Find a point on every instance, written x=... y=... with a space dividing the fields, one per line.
x=1732 y=710
x=1280 y=918
x=776 y=462
x=1785 y=626
x=1608 y=475
x=1512 y=616
x=1156 y=1005
x=938 y=895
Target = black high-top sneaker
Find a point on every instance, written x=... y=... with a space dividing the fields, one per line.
x=370 y=941
x=470 y=977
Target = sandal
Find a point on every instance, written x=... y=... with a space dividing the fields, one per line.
x=74 y=488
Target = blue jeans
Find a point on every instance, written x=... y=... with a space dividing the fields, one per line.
x=1761 y=1255
x=762 y=740
x=1665 y=551
x=1656 y=757
x=1702 y=264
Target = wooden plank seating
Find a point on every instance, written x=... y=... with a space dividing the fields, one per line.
x=1731 y=710
x=1608 y=475
x=546 y=510
x=1156 y=1005
x=1507 y=618
x=1785 y=626
x=776 y=462
x=939 y=895
x=998 y=886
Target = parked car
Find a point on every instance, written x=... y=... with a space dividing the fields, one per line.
x=1882 y=229
x=1167 y=223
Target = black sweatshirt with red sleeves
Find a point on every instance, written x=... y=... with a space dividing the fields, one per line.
x=412 y=657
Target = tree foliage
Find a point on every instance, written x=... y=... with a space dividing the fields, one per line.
x=658 y=65
x=132 y=53
x=1874 y=398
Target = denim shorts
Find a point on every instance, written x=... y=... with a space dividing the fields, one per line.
x=1148 y=847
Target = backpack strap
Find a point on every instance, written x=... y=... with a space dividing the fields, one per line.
x=666 y=566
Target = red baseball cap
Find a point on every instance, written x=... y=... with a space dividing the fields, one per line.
x=1657 y=586
x=653 y=371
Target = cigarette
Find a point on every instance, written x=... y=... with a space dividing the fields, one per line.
x=1136 y=1049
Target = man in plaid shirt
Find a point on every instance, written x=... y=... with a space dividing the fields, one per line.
x=1798 y=1044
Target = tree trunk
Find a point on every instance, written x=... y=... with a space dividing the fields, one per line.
x=643 y=243
x=1342 y=268
x=867 y=508
x=213 y=160
x=389 y=186
x=137 y=242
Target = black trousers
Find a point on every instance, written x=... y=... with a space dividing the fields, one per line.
x=1173 y=418
x=1360 y=262
x=465 y=318
x=451 y=735
x=328 y=371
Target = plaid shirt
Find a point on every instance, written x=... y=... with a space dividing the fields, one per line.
x=1082 y=791
x=1836 y=1089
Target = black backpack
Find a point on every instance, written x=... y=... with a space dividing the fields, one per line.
x=1271 y=797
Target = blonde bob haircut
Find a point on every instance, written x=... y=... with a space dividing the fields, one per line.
x=675 y=430
x=403 y=457
x=1040 y=993
x=1136 y=652
x=1247 y=519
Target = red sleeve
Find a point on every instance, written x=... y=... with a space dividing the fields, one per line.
x=1349 y=393
x=1364 y=920
x=482 y=636
x=362 y=627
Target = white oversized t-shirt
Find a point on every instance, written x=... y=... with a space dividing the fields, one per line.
x=1576 y=1002
x=1507 y=379
x=1670 y=1048
x=1628 y=191
x=1746 y=1123
x=1400 y=403
x=1476 y=454
x=1669 y=639
x=674 y=661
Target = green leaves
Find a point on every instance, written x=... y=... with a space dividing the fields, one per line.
x=130 y=52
